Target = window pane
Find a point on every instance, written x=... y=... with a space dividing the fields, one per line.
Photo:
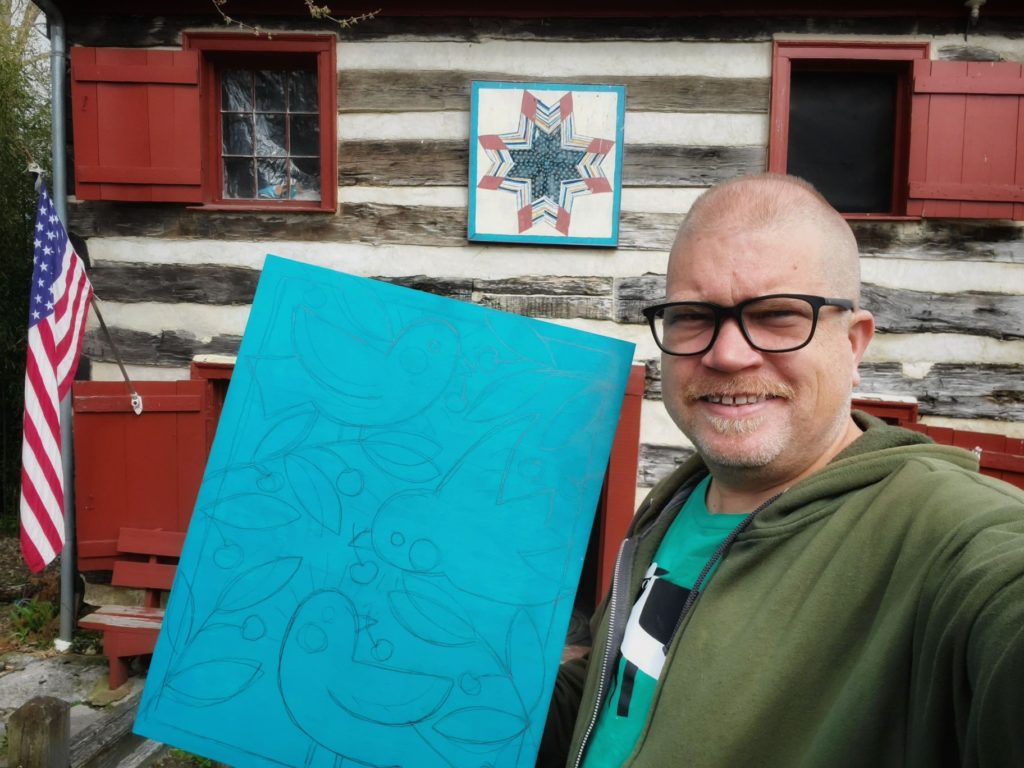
x=302 y=92
x=842 y=136
x=239 y=178
x=306 y=178
x=237 y=135
x=270 y=136
x=236 y=90
x=305 y=135
x=270 y=91
x=273 y=179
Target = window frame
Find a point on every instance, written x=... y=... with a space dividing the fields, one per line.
x=843 y=55
x=216 y=48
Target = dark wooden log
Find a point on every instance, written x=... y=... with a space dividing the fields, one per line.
x=131 y=29
x=452 y=287
x=679 y=23
x=403 y=163
x=167 y=348
x=355 y=222
x=955 y=390
x=657 y=461
x=445 y=90
x=941 y=240
x=634 y=293
x=372 y=223
x=169 y=220
x=209 y=284
x=446 y=163
x=546 y=285
x=549 y=307
x=952 y=390
x=995 y=315
x=167 y=283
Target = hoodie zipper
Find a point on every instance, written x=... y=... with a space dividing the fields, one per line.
x=687 y=605
x=613 y=602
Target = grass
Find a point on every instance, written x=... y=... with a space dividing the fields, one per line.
x=179 y=757
x=34 y=622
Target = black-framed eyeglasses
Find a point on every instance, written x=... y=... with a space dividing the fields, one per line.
x=780 y=322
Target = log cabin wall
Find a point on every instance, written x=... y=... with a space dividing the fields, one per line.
x=948 y=294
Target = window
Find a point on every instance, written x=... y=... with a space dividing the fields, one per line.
x=270 y=134
x=270 y=112
x=231 y=121
x=884 y=131
x=840 y=119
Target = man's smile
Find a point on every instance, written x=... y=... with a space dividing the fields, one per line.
x=737 y=399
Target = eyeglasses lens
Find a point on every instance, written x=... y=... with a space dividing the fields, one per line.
x=686 y=328
x=777 y=324
x=771 y=325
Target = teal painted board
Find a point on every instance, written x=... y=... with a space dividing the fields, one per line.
x=387 y=540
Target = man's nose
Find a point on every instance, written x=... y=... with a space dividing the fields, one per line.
x=731 y=350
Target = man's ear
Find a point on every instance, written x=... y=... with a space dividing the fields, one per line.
x=862 y=329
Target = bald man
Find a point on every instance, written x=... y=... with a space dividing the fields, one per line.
x=814 y=587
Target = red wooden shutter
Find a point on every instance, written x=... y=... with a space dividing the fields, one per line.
x=136 y=122
x=967 y=140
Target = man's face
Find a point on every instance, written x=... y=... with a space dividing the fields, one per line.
x=778 y=414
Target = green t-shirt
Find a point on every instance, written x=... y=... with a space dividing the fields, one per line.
x=690 y=542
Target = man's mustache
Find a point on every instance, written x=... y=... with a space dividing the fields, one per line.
x=757 y=386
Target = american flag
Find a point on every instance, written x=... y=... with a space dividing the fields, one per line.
x=59 y=303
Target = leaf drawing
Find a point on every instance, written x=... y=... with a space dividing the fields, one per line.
x=480 y=725
x=430 y=620
x=524 y=652
x=406 y=448
x=315 y=491
x=213 y=682
x=404 y=455
x=252 y=511
x=257 y=584
x=285 y=435
x=181 y=611
x=506 y=396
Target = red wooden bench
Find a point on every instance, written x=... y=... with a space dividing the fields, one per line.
x=147 y=559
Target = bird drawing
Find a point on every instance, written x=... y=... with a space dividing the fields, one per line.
x=347 y=702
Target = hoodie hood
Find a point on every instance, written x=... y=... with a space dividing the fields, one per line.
x=874 y=455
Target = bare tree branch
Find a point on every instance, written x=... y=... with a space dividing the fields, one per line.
x=319 y=12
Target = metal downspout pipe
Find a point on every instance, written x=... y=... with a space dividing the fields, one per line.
x=58 y=191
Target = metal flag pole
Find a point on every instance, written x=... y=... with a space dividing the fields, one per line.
x=55 y=22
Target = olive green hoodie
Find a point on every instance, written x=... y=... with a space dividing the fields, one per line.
x=871 y=615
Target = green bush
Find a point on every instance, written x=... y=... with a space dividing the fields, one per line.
x=24 y=136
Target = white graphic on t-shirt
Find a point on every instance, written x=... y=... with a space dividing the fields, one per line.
x=652 y=620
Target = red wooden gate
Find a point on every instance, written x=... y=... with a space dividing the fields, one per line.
x=137 y=471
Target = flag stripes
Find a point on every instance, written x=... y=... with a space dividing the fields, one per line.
x=58 y=306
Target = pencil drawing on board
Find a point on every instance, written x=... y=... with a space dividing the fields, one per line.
x=387 y=540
